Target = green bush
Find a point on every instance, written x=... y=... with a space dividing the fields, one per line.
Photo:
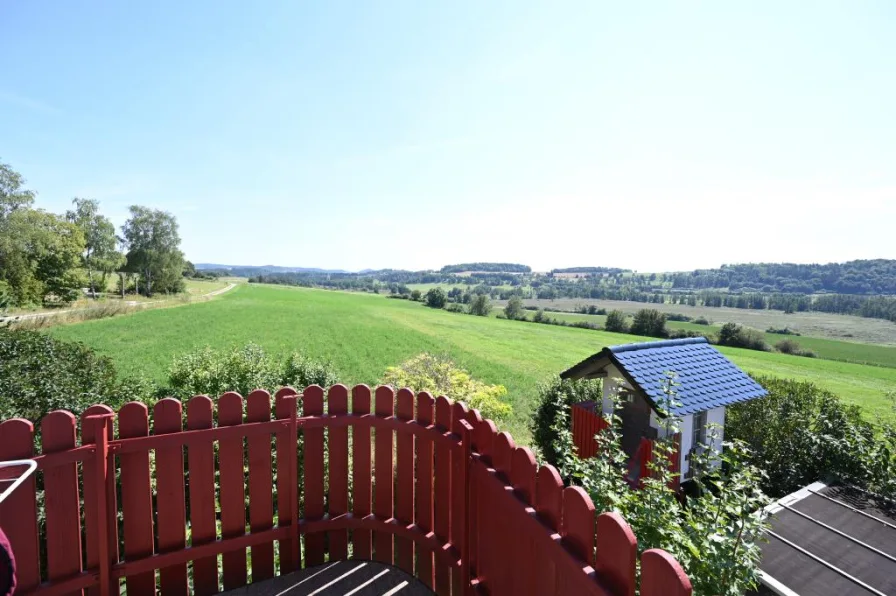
x=800 y=433
x=649 y=322
x=554 y=397
x=436 y=298
x=736 y=336
x=439 y=375
x=481 y=305
x=616 y=322
x=514 y=308
x=39 y=374
x=701 y=321
x=212 y=372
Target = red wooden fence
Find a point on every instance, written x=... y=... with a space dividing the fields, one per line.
x=443 y=496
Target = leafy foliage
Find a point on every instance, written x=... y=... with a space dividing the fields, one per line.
x=39 y=374
x=736 y=336
x=154 y=249
x=212 y=372
x=487 y=267
x=481 y=305
x=436 y=298
x=800 y=433
x=649 y=322
x=99 y=240
x=714 y=535
x=616 y=322
x=514 y=308
x=439 y=375
x=555 y=396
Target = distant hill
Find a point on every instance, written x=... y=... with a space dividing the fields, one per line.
x=611 y=270
x=250 y=270
x=487 y=268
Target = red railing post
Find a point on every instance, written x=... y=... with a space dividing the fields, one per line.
x=101 y=440
x=467 y=446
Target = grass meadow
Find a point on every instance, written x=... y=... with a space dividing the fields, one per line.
x=362 y=334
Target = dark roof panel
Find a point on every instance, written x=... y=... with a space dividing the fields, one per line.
x=706 y=379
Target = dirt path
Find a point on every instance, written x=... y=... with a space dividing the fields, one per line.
x=54 y=313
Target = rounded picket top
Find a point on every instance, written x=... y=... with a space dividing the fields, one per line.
x=459 y=412
x=361 y=400
x=313 y=398
x=404 y=404
x=443 y=413
x=258 y=406
x=88 y=430
x=285 y=391
x=57 y=430
x=617 y=553
x=549 y=496
x=486 y=434
x=167 y=416
x=475 y=420
x=661 y=575
x=230 y=409
x=425 y=408
x=502 y=459
x=337 y=399
x=384 y=401
x=522 y=474
x=577 y=523
x=200 y=412
x=18 y=438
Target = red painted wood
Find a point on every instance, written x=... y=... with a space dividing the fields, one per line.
x=287 y=482
x=61 y=498
x=136 y=498
x=313 y=405
x=587 y=421
x=661 y=575
x=423 y=515
x=404 y=495
x=442 y=491
x=485 y=440
x=233 y=493
x=383 y=484
x=337 y=405
x=549 y=506
x=261 y=479
x=458 y=491
x=503 y=454
x=577 y=524
x=18 y=513
x=362 y=547
x=617 y=552
x=91 y=518
x=645 y=457
x=522 y=474
x=201 y=459
x=475 y=419
x=170 y=501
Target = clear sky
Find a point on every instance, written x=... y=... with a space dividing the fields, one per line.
x=649 y=135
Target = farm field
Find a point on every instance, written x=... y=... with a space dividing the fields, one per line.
x=813 y=324
x=830 y=349
x=362 y=334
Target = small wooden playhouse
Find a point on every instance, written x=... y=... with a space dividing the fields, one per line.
x=706 y=383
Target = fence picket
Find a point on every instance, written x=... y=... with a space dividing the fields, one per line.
x=549 y=507
x=91 y=515
x=313 y=405
x=423 y=510
x=459 y=413
x=136 y=498
x=442 y=491
x=661 y=575
x=170 y=501
x=233 y=492
x=201 y=460
x=617 y=552
x=404 y=495
x=261 y=478
x=522 y=476
x=503 y=454
x=287 y=481
x=337 y=405
x=361 y=481
x=18 y=513
x=383 y=478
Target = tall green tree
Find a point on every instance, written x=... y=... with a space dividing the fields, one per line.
x=13 y=195
x=99 y=239
x=154 y=249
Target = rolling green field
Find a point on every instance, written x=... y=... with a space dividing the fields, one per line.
x=362 y=334
x=830 y=349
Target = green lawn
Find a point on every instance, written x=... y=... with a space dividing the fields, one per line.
x=362 y=334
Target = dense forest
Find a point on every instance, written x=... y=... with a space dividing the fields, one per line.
x=487 y=267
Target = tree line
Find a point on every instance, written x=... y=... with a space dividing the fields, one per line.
x=47 y=258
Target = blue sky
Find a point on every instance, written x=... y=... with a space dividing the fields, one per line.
x=653 y=135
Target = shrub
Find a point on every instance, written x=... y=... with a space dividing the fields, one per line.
x=213 y=372
x=481 y=305
x=439 y=375
x=39 y=374
x=788 y=346
x=455 y=307
x=676 y=316
x=649 y=322
x=553 y=397
x=701 y=321
x=616 y=322
x=539 y=316
x=782 y=331
x=416 y=296
x=800 y=433
x=736 y=336
x=514 y=308
x=436 y=298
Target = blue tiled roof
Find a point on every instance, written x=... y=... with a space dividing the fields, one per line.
x=706 y=378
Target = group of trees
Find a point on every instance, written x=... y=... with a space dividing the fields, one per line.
x=47 y=258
